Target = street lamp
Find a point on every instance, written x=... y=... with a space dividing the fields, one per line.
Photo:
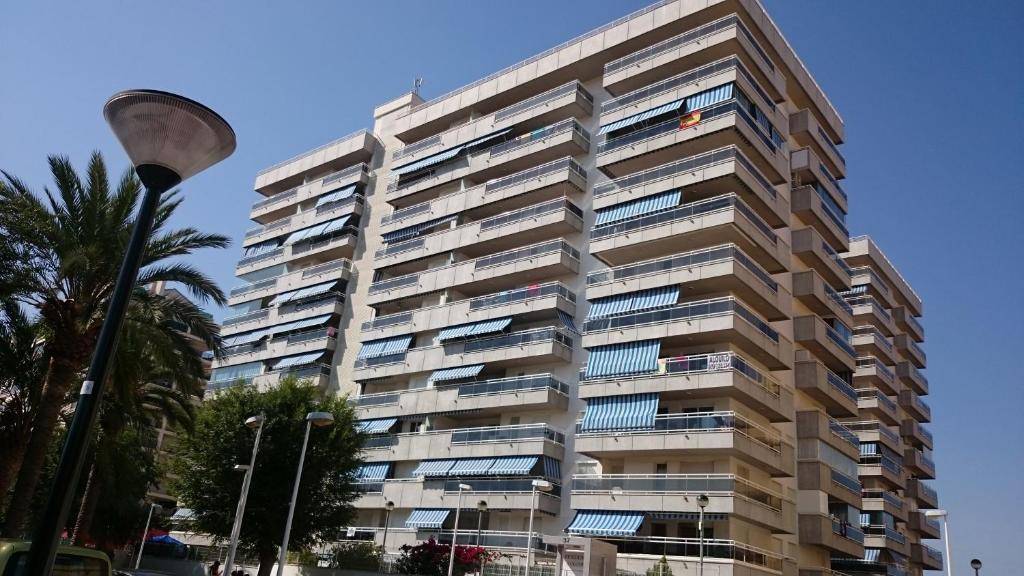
x=481 y=507
x=168 y=139
x=145 y=532
x=455 y=533
x=319 y=419
x=702 y=502
x=236 y=529
x=543 y=486
x=945 y=535
x=388 y=507
x=976 y=564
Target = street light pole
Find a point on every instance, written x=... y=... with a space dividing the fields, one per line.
x=320 y=419
x=702 y=502
x=976 y=564
x=455 y=533
x=543 y=486
x=168 y=139
x=945 y=535
x=145 y=531
x=236 y=528
x=388 y=507
x=481 y=507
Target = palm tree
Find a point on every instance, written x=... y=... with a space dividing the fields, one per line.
x=70 y=244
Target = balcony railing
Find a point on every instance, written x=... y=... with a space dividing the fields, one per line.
x=927 y=490
x=872 y=362
x=887 y=497
x=267 y=283
x=840 y=340
x=836 y=258
x=682 y=261
x=868 y=300
x=885 y=462
x=870 y=330
x=313 y=271
x=831 y=209
x=567 y=125
x=837 y=299
x=689 y=311
x=874 y=426
x=279 y=197
x=703 y=364
x=313 y=151
x=842 y=432
x=847 y=530
x=514 y=384
x=513 y=339
x=517 y=433
x=324 y=241
x=502 y=486
x=686 y=38
x=245 y=317
x=274 y=253
x=875 y=394
x=702 y=422
x=831 y=145
x=851 y=483
x=534 y=174
x=709 y=484
x=832 y=180
x=892 y=268
x=721 y=203
x=691 y=548
x=840 y=385
x=914 y=346
x=888 y=533
x=275 y=225
x=876 y=280
x=920 y=404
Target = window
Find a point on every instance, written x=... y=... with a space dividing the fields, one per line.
x=661 y=468
x=513 y=421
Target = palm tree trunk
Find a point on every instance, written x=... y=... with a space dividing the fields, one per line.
x=84 y=518
x=13 y=454
x=59 y=376
x=267 y=560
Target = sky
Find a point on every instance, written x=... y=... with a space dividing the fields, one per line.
x=931 y=94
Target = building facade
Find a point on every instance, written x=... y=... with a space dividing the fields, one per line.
x=582 y=292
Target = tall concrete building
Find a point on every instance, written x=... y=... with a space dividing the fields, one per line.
x=594 y=287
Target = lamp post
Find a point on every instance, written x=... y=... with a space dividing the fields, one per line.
x=976 y=564
x=388 y=507
x=455 y=532
x=236 y=529
x=481 y=507
x=702 y=502
x=319 y=419
x=145 y=532
x=168 y=138
x=945 y=535
x=536 y=485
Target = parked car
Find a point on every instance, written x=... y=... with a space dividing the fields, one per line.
x=71 y=560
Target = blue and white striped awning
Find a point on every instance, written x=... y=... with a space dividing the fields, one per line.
x=568 y=322
x=865 y=519
x=373 y=472
x=415 y=229
x=605 y=523
x=513 y=465
x=299 y=360
x=471 y=467
x=709 y=97
x=869 y=449
x=688 y=516
x=623 y=359
x=872 y=554
x=428 y=161
x=244 y=338
x=633 y=302
x=299 y=324
x=384 y=347
x=474 y=329
x=182 y=514
x=553 y=469
x=636 y=118
x=301 y=293
x=459 y=373
x=426 y=518
x=638 y=207
x=483 y=139
x=857 y=289
x=336 y=195
x=376 y=425
x=434 y=467
x=317 y=230
x=626 y=412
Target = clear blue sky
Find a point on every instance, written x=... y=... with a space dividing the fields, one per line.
x=931 y=92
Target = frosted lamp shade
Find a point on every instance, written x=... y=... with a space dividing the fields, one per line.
x=167 y=130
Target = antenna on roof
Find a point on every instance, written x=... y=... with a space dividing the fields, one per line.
x=416 y=85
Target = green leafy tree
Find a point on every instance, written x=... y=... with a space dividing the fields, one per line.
x=206 y=481
x=357 y=556
x=661 y=568
x=64 y=249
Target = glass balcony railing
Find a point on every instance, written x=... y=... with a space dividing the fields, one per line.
x=703 y=364
x=879 y=338
x=924 y=433
x=512 y=385
x=493 y=539
x=868 y=300
x=262 y=284
x=840 y=385
x=847 y=530
x=885 y=531
x=872 y=362
x=526 y=253
x=397 y=319
x=530 y=212
x=684 y=212
x=279 y=197
x=519 y=433
x=709 y=484
x=840 y=340
x=691 y=548
x=889 y=464
x=382 y=399
x=908 y=316
x=682 y=261
x=874 y=426
x=831 y=209
x=837 y=299
x=685 y=166
x=319 y=270
x=874 y=394
x=917 y=349
x=516 y=339
x=726 y=421
x=534 y=173
x=832 y=180
x=831 y=145
x=920 y=404
x=325 y=241
x=246 y=317
x=931 y=522
x=887 y=497
x=688 y=311
x=842 y=432
x=567 y=125
x=836 y=258
x=274 y=253
x=407 y=212
x=927 y=491
x=851 y=483
x=275 y=225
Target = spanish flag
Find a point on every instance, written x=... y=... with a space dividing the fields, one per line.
x=689 y=120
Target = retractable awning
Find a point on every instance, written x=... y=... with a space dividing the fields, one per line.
x=384 y=347
x=605 y=523
x=633 y=302
x=638 y=207
x=434 y=467
x=336 y=195
x=636 y=118
x=639 y=357
x=373 y=472
x=299 y=324
x=626 y=412
x=414 y=230
x=426 y=518
x=865 y=519
x=301 y=293
x=376 y=425
x=513 y=465
x=872 y=554
x=688 y=516
x=317 y=230
x=471 y=467
x=299 y=360
x=552 y=468
x=428 y=161
x=474 y=329
x=456 y=373
x=246 y=338
x=870 y=449
x=568 y=322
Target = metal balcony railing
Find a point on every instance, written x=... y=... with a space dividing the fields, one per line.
x=887 y=497
x=844 y=433
x=719 y=421
x=682 y=261
x=869 y=300
x=727 y=485
x=847 y=530
x=567 y=125
x=876 y=280
x=703 y=364
x=874 y=426
x=688 y=311
x=840 y=385
x=690 y=549
x=872 y=362
x=877 y=395
x=279 y=197
x=870 y=330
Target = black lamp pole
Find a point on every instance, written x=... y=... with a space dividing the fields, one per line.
x=155 y=129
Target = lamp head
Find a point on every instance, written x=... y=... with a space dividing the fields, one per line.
x=320 y=419
x=168 y=138
x=703 y=500
x=389 y=505
x=465 y=487
x=976 y=564
x=935 y=513
x=482 y=505
x=542 y=485
x=255 y=421
x=241 y=468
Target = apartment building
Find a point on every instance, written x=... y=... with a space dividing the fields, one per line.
x=569 y=299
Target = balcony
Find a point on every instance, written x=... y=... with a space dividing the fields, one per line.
x=817 y=470
x=914 y=406
x=282 y=205
x=864 y=252
x=910 y=350
x=317 y=375
x=527 y=347
x=918 y=463
x=311 y=215
x=334 y=246
x=701 y=376
x=498 y=233
x=866 y=280
x=872 y=403
x=486 y=441
x=814 y=207
x=811 y=289
x=484 y=398
x=329 y=158
x=825 y=342
x=827 y=387
x=483 y=275
x=727 y=493
x=868 y=341
x=878 y=536
x=923 y=525
x=723 y=219
x=916 y=433
x=282 y=345
x=885 y=501
x=872 y=372
x=710 y=433
x=528 y=304
x=867 y=310
x=925 y=495
x=641 y=555
x=876 y=431
x=816 y=253
x=909 y=375
x=707 y=322
x=328 y=303
x=906 y=321
x=807 y=168
x=805 y=129
x=335 y=270
x=562 y=177
x=500 y=493
x=832 y=534
x=569 y=99
x=929 y=558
